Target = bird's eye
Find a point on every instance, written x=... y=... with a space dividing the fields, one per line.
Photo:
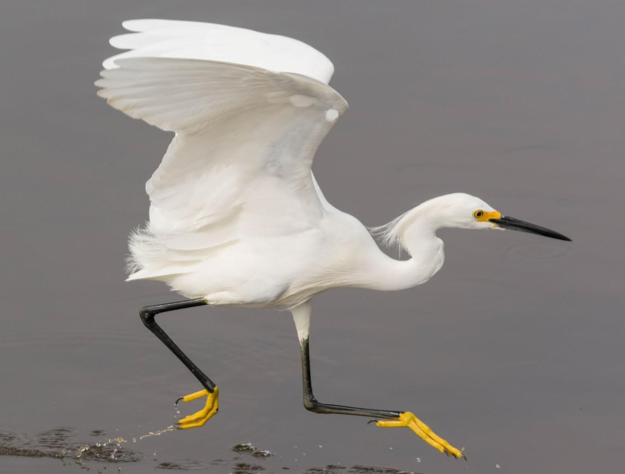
x=478 y=214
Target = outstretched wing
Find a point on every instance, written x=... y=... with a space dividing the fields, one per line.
x=249 y=111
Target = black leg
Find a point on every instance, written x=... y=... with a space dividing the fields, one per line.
x=388 y=418
x=148 y=314
x=311 y=403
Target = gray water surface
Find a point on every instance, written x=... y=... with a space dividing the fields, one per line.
x=514 y=350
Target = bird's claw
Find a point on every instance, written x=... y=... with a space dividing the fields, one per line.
x=409 y=420
x=201 y=417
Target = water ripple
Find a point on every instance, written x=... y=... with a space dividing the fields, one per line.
x=538 y=252
x=59 y=443
x=183 y=465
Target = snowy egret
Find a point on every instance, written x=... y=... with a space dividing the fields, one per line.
x=236 y=215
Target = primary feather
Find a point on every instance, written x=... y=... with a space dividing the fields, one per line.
x=211 y=42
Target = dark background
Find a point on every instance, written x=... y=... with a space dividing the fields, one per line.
x=515 y=350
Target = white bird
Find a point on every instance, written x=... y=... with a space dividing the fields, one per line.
x=236 y=216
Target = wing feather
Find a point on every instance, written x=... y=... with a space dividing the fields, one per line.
x=211 y=42
x=239 y=166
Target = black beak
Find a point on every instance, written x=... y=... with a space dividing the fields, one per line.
x=511 y=223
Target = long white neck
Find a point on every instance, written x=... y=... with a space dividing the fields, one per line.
x=415 y=231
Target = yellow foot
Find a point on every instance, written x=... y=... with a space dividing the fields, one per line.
x=201 y=417
x=422 y=430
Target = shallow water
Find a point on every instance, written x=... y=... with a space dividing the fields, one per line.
x=514 y=351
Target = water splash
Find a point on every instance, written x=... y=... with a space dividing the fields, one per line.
x=64 y=444
x=59 y=443
x=249 y=448
x=156 y=433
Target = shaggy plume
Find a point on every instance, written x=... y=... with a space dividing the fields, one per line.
x=144 y=247
x=391 y=235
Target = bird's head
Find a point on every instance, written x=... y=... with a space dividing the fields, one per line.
x=458 y=210
x=464 y=211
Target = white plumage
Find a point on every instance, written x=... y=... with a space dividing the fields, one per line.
x=227 y=44
x=248 y=122
x=236 y=216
